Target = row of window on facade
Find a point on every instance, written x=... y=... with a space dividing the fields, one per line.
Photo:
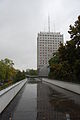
x=50 y=42
x=45 y=52
x=46 y=56
x=46 y=39
x=51 y=35
x=50 y=39
x=44 y=62
x=42 y=52
x=48 y=48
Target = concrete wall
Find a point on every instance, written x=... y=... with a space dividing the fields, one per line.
x=66 y=85
x=44 y=71
x=9 y=93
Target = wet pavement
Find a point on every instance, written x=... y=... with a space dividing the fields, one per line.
x=43 y=101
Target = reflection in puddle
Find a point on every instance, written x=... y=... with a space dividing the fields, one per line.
x=34 y=80
x=65 y=105
x=53 y=105
x=40 y=101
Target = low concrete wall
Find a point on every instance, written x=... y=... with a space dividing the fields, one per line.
x=9 y=93
x=66 y=85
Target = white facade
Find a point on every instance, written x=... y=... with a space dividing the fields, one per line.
x=47 y=44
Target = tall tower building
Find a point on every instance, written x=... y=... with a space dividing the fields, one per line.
x=47 y=44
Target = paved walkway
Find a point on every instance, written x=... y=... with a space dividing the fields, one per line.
x=66 y=85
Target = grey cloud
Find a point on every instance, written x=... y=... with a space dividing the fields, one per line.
x=21 y=20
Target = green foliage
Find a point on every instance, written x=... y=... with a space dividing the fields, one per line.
x=74 y=31
x=7 y=84
x=77 y=69
x=54 y=60
x=31 y=72
x=6 y=70
x=8 y=62
x=65 y=65
x=62 y=53
x=19 y=76
x=2 y=71
x=8 y=74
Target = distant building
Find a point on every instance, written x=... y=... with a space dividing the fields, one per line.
x=47 y=44
x=44 y=71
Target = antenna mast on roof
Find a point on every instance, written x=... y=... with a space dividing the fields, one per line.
x=48 y=23
x=54 y=28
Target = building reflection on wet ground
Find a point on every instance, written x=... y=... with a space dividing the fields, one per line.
x=54 y=105
x=43 y=101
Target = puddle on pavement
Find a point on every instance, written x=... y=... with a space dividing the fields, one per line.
x=40 y=101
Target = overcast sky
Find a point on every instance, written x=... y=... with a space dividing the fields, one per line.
x=21 y=20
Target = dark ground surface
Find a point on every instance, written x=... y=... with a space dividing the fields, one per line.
x=42 y=101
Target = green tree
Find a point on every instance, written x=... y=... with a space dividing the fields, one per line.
x=2 y=71
x=31 y=72
x=7 y=71
x=66 y=64
x=74 y=31
x=77 y=70
x=19 y=75
x=75 y=36
x=54 y=59
x=10 y=71
x=8 y=62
